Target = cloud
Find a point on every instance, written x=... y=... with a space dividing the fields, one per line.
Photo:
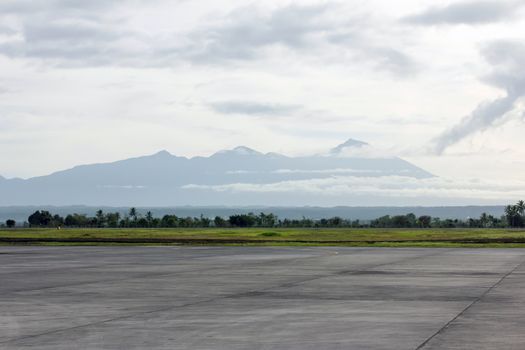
x=69 y=33
x=473 y=12
x=506 y=58
x=68 y=42
x=72 y=32
x=246 y=33
x=393 y=60
x=384 y=186
x=126 y=187
x=385 y=58
x=326 y=171
x=78 y=33
x=251 y=108
x=28 y=6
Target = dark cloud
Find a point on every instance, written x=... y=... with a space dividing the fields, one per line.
x=81 y=33
x=385 y=58
x=308 y=30
x=507 y=59
x=474 y=12
x=390 y=60
x=74 y=32
x=68 y=43
x=34 y=7
x=251 y=108
x=67 y=32
x=245 y=32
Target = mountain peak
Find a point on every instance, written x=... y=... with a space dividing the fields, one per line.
x=350 y=143
x=240 y=150
x=245 y=150
x=163 y=153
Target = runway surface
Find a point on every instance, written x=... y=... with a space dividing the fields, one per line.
x=261 y=298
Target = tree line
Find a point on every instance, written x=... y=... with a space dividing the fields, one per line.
x=514 y=217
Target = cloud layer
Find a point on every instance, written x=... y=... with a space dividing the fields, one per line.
x=77 y=34
x=440 y=190
x=251 y=108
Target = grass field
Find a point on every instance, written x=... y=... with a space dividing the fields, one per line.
x=270 y=236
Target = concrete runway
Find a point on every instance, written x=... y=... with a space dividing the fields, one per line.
x=261 y=298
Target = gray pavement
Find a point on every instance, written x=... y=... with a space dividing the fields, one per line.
x=261 y=298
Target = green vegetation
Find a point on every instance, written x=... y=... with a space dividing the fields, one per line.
x=278 y=236
x=514 y=217
x=270 y=234
x=266 y=229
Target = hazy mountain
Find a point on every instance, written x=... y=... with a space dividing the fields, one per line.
x=166 y=179
x=349 y=144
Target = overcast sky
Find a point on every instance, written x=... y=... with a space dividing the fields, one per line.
x=439 y=83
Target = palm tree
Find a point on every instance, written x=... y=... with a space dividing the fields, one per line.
x=133 y=213
x=149 y=217
x=484 y=220
x=100 y=218
x=511 y=211
x=520 y=206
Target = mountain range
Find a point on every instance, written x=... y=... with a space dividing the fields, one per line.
x=239 y=176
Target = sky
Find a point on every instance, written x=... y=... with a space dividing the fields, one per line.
x=438 y=83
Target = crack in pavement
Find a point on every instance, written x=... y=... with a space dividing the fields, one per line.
x=469 y=306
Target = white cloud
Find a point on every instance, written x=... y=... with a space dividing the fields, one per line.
x=326 y=171
x=384 y=186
